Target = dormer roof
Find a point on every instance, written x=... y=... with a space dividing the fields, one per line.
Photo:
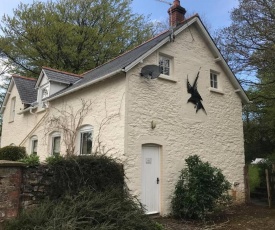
x=25 y=87
x=57 y=76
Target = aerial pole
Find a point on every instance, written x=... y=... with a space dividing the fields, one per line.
x=170 y=19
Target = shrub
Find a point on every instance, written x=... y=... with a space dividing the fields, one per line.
x=12 y=153
x=54 y=159
x=31 y=160
x=109 y=210
x=199 y=190
x=94 y=172
x=254 y=177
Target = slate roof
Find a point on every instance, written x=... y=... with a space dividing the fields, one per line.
x=118 y=63
x=60 y=76
x=25 y=87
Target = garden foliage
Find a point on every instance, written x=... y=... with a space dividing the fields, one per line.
x=109 y=210
x=12 y=153
x=73 y=174
x=199 y=190
x=30 y=160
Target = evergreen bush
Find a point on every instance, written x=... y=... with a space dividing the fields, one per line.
x=109 y=210
x=199 y=190
x=12 y=153
x=93 y=172
x=31 y=160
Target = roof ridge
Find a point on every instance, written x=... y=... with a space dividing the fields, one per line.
x=61 y=71
x=126 y=52
x=23 y=77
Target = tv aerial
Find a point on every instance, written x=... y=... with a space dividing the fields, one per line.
x=150 y=71
x=170 y=21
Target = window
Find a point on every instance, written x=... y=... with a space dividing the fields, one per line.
x=213 y=80
x=55 y=141
x=45 y=93
x=34 y=144
x=165 y=65
x=86 y=140
x=12 y=109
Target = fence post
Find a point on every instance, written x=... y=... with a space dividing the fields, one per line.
x=268 y=187
x=246 y=183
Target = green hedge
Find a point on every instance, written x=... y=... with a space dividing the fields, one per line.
x=72 y=174
x=12 y=153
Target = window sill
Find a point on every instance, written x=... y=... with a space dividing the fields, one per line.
x=11 y=121
x=214 y=90
x=167 y=78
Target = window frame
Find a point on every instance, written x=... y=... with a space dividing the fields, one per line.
x=214 y=83
x=33 y=140
x=12 y=109
x=42 y=92
x=55 y=135
x=162 y=66
x=85 y=129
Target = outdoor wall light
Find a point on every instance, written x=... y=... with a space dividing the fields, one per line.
x=153 y=124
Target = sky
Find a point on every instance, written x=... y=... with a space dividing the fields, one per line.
x=214 y=12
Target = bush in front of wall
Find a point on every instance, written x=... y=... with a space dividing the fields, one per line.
x=31 y=160
x=108 y=210
x=200 y=189
x=94 y=172
x=12 y=153
x=54 y=159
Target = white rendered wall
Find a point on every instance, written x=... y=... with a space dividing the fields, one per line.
x=216 y=137
x=108 y=100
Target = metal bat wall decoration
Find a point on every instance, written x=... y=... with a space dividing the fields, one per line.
x=195 y=95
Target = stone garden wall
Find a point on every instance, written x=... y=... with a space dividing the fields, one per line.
x=10 y=189
x=20 y=187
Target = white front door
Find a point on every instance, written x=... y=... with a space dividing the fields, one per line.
x=151 y=178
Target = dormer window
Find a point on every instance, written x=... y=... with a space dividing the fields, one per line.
x=45 y=93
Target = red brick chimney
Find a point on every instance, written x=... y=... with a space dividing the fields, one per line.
x=176 y=14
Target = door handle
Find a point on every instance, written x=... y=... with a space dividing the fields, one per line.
x=157 y=180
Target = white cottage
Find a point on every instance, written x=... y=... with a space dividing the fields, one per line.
x=150 y=124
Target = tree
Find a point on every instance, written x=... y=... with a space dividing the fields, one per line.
x=71 y=35
x=248 y=43
x=5 y=68
x=259 y=122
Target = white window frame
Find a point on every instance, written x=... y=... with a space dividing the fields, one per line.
x=52 y=142
x=214 y=83
x=45 y=89
x=163 y=65
x=12 y=109
x=40 y=95
x=82 y=131
x=34 y=139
